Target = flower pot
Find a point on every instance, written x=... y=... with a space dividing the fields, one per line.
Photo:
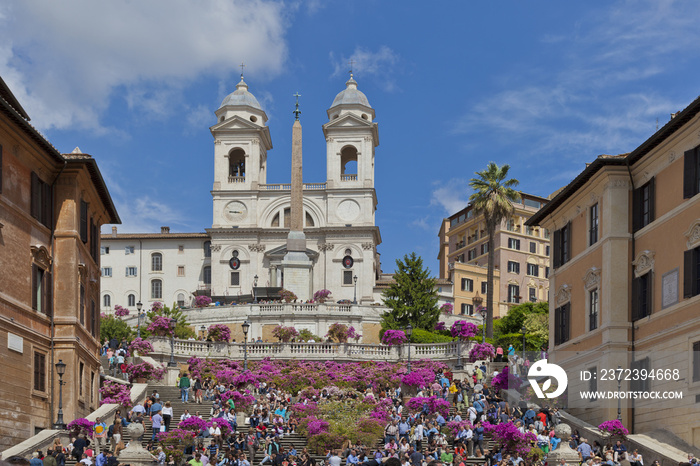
x=140 y=380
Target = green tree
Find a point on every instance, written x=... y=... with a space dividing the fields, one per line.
x=493 y=198
x=412 y=298
x=533 y=316
x=114 y=327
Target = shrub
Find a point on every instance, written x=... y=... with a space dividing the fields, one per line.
x=81 y=425
x=447 y=308
x=424 y=336
x=219 y=332
x=463 y=329
x=120 y=311
x=394 y=337
x=287 y=295
x=481 y=351
x=117 y=393
x=143 y=347
x=284 y=334
x=202 y=301
x=614 y=428
x=160 y=326
x=321 y=296
x=342 y=333
x=144 y=370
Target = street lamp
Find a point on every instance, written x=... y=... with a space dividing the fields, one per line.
x=483 y=325
x=140 y=319
x=60 y=369
x=523 y=331
x=354 y=296
x=458 y=327
x=171 y=363
x=203 y=329
x=619 y=389
x=409 y=331
x=246 y=326
x=255 y=285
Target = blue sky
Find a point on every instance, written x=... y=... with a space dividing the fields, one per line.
x=544 y=86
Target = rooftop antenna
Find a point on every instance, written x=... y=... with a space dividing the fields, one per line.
x=296 y=111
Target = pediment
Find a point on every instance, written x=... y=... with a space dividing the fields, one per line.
x=348 y=120
x=235 y=122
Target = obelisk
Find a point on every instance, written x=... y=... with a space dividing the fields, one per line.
x=296 y=264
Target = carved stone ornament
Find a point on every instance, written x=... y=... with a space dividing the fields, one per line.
x=255 y=142
x=594 y=198
x=618 y=183
x=41 y=256
x=368 y=138
x=256 y=247
x=643 y=263
x=329 y=139
x=693 y=235
x=367 y=246
x=592 y=278
x=671 y=156
x=563 y=296
x=326 y=246
x=216 y=247
x=217 y=142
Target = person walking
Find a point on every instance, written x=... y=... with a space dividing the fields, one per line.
x=184 y=388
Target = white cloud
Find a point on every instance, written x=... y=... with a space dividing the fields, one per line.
x=381 y=64
x=198 y=118
x=163 y=44
x=452 y=196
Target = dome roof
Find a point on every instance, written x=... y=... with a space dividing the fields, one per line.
x=351 y=95
x=241 y=97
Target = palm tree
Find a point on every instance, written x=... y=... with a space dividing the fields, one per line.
x=493 y=198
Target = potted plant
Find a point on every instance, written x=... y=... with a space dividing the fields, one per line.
x=140 y=346
x=394 y=337
x=219 y=333
x=321 y=296
x=287 y=295
x=80 y=426
x=284 y=334
x=143 y=372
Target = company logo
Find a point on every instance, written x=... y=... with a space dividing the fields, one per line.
x=544 y=369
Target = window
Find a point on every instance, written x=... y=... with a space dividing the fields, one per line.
x=484 y=287
x=104 y=250
x=180 y=270
x=106 y=271
x=180 y=248
x=471 y=254
x=593 y=220
x=593 y=381
x=532 y=294
x=533 y=270
x=546 y=250
x=207 y=249
x=696 y=361
x=41 y=201
x=82 y=304
x=42 y=288
x=533 y=247
x=691 y=273
x=691 y=173
x=206 y=275
x=131 y=300
x=467 y=284
x=128 y=250
x=83 y=221
x=347 y=277
x=513 y=294
x=157 y=289
x=513 y=267
x=93 y=318
x=235 y=279
x=562 y=245
x=107 y=301
x=532 y=203
x=484 y=248
x=39 y=372
x=643 y=203
x=156 y=262
x=467 y=309
x=514 y=243
x=641 y=296
x=131 y=271
x=546 y=272
x=181 y=299
x=80 y=378
x=561 y=324
x=593 y=309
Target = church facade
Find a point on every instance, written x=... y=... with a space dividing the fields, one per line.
x=247 y=242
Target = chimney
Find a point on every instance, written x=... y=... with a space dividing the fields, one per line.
x=164 y=230
x=114 y=232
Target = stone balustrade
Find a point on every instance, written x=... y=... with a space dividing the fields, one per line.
x=183 y=349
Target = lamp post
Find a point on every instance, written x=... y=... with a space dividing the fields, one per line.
x=203 y=329
x=141 y=316
x=246 y=326
x=354 y=295
x=409 y=331
x=458 y=327
x=60 y=370
x=171 y=363
x=619 y=389
x=255 y=285
x=483 y=325
x=523 y=331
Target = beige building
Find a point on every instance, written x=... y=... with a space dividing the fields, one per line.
x=521 y=258
x=625 y=282
x=51 y=209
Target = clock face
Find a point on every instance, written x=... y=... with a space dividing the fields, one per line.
x=235 y=211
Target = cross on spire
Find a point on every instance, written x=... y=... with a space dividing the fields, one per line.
x=351 y=63
x=242 y=65
x=296 y=111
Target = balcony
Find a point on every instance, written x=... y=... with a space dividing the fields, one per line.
x=288 y=187
x=348 y=177
x=236 y=179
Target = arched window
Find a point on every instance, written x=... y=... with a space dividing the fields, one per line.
x=206 y=275
x=181 y=299
x=207 y=249
x=276 y=220
x=156 y=262
x=107 y=300
x=131 y=300
x=157 y=289
x=348 y=163
x=309 y=220
x=236 y=165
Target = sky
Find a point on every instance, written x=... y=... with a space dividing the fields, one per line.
x=543 y=86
